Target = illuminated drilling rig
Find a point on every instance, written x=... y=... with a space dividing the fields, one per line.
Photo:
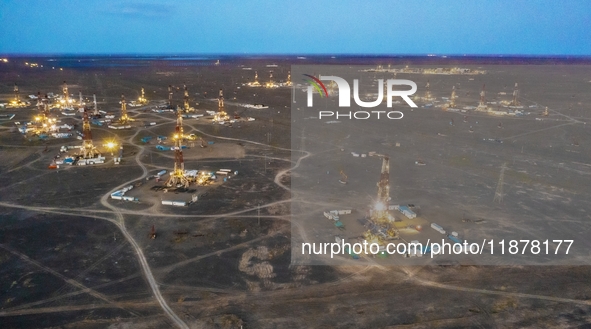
x=17 y=102
x=186 y=106
x=221 y=115
x=65 y=101
x=256 y=82
x=170 y=97
x=95 y=107
x=45 y=124
x=452 y=99
x=177 y=176
x=482 y=103
x=428 y=97
x=380 y=211
x=142 y=99
x=381 y=227
x=124 y=119
x=515 y=95
x=287 y=83
x=88 y=149
x=271 y=83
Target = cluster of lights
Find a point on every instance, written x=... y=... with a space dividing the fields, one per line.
x=110 y=145
x=33 y=64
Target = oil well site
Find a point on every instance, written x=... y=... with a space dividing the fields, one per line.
x=156 y=192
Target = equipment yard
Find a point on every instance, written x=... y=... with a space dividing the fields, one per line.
x=189 y=221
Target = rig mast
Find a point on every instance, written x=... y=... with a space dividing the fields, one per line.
x=482 y=102
x=221 y=115
x=96 y=111
x=186 y=99
x=142 y=100
x=177 y=176
x=17 y=97
x=452 y=99
x=515 y=95
x=65 y=94
x=124 y=119
x=381 y=207
x=88 y=148
x=170 y=97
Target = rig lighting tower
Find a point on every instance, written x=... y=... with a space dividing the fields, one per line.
x=177 y=176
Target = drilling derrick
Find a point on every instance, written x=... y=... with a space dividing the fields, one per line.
x=96 y=111
x=40 y=106
x=88 y=149
x=177 y=176
x=288 y=82
x=271 y=83
x=80 y=101
x=17 y=97
x=221 y=115
x=186 y=99
x=124 y=119
x=381 y=207
x=482 y=99
x=452 y=99
x=170 y=97
x=142 y=100
x=428 y=91
x=515 y=95
x=65 y=94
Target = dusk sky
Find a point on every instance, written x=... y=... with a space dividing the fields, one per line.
x=295 y=27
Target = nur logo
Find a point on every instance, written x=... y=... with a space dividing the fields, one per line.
x=345 y=91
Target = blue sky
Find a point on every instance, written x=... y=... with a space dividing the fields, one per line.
x=295 y=27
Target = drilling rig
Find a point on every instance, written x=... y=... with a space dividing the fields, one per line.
x=16 y=102
x=452 y=99
x=96 y=110
x=45 y=124
x=482 y=103
x=271 y=83
x=256 y=82
x=380 y=211
x=177 y=176
x=221 y=115
x=288 y=82
x=124 y=119
x=142 y=100
x=186 y=105
x=170 y=97
x=515 y=95
x=65 y=97
x=88 y=149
